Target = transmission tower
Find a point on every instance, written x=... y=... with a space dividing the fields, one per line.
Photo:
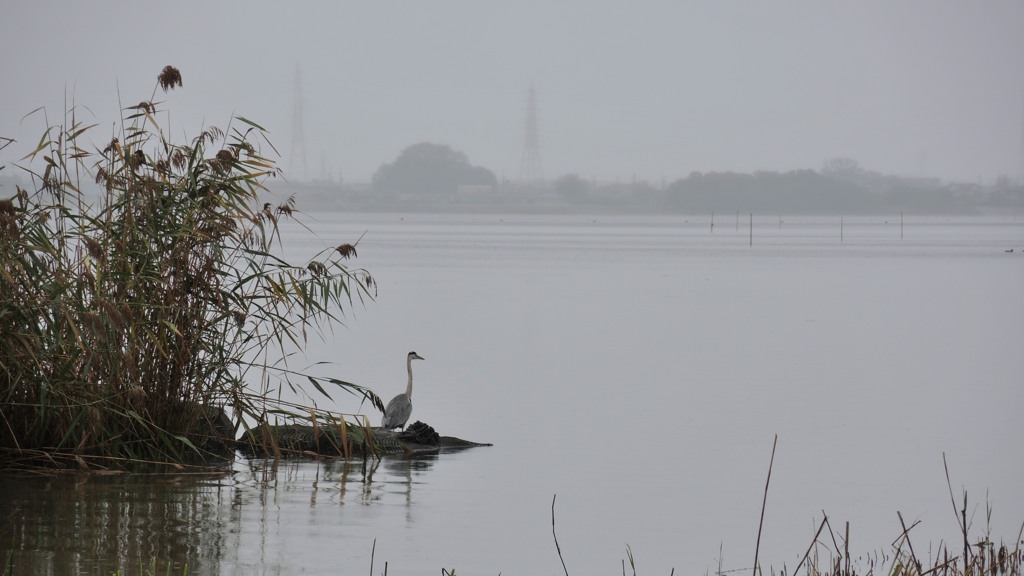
x=530 y=169
x=297 y=158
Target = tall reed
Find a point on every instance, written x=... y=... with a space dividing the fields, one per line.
x=128 y=324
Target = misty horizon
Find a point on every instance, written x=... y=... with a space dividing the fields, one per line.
x=653 y=91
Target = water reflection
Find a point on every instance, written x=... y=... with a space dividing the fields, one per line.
x=245 y=520
x=88 y=524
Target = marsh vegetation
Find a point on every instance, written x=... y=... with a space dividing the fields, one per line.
x=152 y=325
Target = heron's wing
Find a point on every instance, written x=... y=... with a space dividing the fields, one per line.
x=397 y=411
x=393 y=403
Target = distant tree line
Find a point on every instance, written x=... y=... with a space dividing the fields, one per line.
x=799 y=190
x=791 y=192
x=435 y=172
x=842 y=186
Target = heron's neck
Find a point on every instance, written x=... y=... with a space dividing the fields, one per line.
x=408 y=389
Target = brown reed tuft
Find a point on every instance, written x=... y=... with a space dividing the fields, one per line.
x=316 y=268
x=95 y=249
x=138 y=159
x=8 y=221
x=169 y=78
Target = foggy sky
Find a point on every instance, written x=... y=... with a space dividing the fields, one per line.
x=655 y=89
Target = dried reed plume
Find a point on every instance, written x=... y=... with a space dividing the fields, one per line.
x=169 y=78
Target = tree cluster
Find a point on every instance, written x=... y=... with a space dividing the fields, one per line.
x=842 y=186
x=431 y=170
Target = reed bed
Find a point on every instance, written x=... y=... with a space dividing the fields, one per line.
x=133 y=327
x=829 y=554
x=826 y=557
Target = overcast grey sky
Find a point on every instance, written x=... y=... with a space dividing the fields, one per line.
x=656 y=89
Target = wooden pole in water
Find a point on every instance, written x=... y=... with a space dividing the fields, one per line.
x=712 y=221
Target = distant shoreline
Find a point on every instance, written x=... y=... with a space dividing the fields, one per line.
x=309 y=202
x=334 y=197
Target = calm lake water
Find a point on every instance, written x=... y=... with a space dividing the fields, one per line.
x=639 y=368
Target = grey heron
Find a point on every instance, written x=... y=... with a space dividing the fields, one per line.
x=400 y=408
